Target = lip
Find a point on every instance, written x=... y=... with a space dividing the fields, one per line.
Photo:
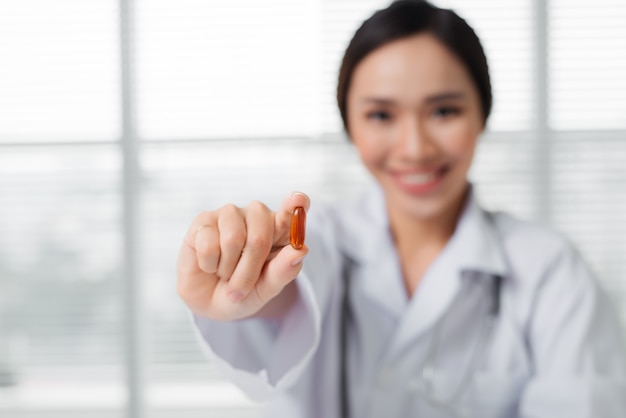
x=420 y=182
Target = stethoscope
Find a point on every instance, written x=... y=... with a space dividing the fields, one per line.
x=424 y=384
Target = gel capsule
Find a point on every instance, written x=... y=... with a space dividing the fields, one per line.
x=297 y=228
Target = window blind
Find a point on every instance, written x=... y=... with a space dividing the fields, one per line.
x=226 y=69
x=587 y=46
x=59 y=78
x=587 y=114
x=60 y=309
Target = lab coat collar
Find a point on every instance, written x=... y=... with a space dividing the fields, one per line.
x=477 y=240
x=474 y=247
x=365 y=239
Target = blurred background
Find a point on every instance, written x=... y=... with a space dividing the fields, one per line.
x=120 y=120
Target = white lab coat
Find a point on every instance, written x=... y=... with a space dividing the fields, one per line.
x=556 y=349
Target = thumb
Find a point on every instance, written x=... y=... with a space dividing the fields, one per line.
x=279 y=272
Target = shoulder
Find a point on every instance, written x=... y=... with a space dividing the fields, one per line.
x=531 y=243
x=545 y=264
x=568 y=318
x=550 y=288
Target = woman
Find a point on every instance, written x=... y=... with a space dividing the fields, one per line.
x=412 y=301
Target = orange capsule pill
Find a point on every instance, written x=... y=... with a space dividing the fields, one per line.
x=297 y=228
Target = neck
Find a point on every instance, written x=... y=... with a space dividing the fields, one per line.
x=409 y=232
x=419 y=241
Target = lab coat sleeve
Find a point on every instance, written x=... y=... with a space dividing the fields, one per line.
x=266 y=356
x=577 y=346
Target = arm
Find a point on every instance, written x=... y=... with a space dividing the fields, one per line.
x=261 y=355
x=577 y=346
x=266 y=351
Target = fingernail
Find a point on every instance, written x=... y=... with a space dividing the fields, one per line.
x=235 y=295
x=297 y=261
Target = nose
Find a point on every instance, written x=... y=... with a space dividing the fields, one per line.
x=414 y=142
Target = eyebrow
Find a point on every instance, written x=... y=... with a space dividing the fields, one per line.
x=430 y=99
x=445 y=96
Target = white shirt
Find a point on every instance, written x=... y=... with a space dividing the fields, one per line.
x=556 y=349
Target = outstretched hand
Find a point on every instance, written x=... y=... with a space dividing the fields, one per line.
x=234 y=261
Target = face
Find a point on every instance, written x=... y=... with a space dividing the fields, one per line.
x=414 y=115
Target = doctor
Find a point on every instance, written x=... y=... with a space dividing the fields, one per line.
x=412 y=300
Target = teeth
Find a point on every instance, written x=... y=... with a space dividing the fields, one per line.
x=419 y=178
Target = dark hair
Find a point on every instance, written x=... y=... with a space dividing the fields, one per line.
x=404 y=18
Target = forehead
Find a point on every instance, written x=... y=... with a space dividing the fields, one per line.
x=409 y=69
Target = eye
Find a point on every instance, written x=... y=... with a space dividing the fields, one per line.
x=446 y=111
x=379 y=115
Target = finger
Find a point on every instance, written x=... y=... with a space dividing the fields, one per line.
x=193 y=286
x=201 y=239
x=279 y=272
x=187 y=262
x=204 y=218
x=207 y=244
x=232 y=232
x=283 y=216
x=259 y=237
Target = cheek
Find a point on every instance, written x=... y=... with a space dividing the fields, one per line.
x=371 y=152
x=459 y=139
x=368 y=144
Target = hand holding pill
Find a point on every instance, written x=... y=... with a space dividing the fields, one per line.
x=236 y=262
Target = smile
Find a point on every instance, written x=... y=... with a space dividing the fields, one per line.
x=420 y=183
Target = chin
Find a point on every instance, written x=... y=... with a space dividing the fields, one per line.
x=426 y=208
x=425 y=211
